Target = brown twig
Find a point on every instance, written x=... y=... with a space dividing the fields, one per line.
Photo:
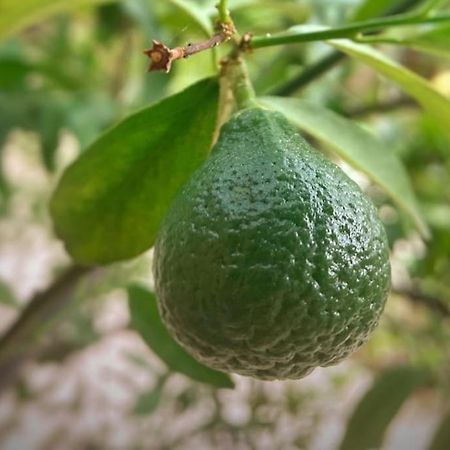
x=376 y=108
x=433 y=303
x=162 y=56
x=19 y=343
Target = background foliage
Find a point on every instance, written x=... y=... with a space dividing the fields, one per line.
x=69 y=71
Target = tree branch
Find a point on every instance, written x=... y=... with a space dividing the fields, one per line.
x=434 y=303
x=18 y=344
x=351 y=31
x=376 y=108
x=329 y=61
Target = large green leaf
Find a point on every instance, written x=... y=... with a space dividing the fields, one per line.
x=441 y=440
x=146 y=321
x=17 y=14
x=357 y=146
x=436 y=104
x=374 y=413
x=109 y=203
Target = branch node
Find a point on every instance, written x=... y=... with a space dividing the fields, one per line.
x=246 y=42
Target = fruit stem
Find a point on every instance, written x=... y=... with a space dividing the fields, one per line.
x=235 y=69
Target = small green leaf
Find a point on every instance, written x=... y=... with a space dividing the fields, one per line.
x=357 y=146
x=7 y=298
x=50 y=124
x=436 y=104
x=18 y=14
x=374 y=413
x=109 y=203
x=146 y=321
x=441 y=439
x=147 y=402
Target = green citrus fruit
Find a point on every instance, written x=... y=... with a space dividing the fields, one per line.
x=271 y=261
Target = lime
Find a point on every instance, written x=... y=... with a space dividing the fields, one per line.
x=271 y=261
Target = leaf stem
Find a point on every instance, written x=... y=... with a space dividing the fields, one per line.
x=347 y=31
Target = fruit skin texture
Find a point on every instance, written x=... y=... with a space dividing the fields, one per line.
x=271 y=261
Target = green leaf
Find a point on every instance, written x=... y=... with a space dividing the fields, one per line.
x=441 y=439
x=371 y=8
x=198 y=13
x=434 y=41
x=437 y=215
x=18 y=14
x=109 y=203
x=436 y=104
x=374 y=413
x=13 y=71
x=430 y=6
x=148 y=402
x=357 y=146
x=7 y=298
x=51 y=121
x=146 y=321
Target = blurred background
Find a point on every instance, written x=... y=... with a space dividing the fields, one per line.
x=73 y=375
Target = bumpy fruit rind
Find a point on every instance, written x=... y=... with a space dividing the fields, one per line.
x=271 y=261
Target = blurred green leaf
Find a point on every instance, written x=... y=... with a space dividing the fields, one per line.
x=371 y=8
x=148 y=402
x=441 y=440
x=435 y=41
x=436 y=104
x=261 y=16
x=357 y=146
x=109 y=203
x=6 y=296
x=374 y=413
x=18 y=14
x=437 y=214
x=146 y=321
x=429 y=6
x=200 y=14
x=13 y=71
x=51 y=121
